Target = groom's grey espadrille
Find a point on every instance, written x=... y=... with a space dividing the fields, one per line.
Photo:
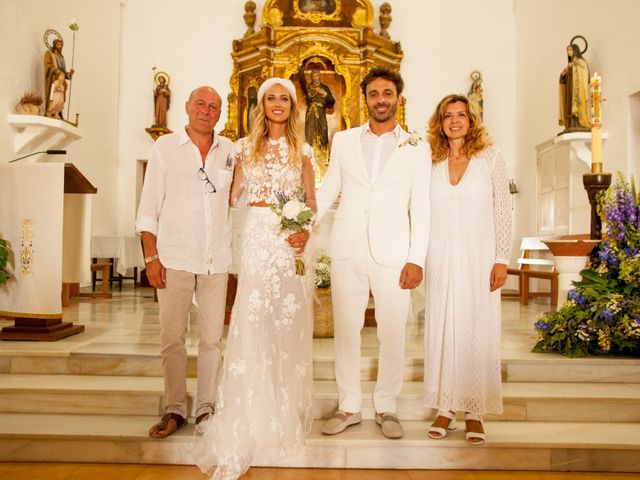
x=391 y=427
x=340 y=421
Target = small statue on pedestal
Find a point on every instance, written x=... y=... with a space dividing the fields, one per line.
x=476 y=94
x=161 y=102
x=55 y=76
x=162 y=99
x=574 y=90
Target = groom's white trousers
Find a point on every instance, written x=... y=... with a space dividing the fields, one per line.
x=351 y=280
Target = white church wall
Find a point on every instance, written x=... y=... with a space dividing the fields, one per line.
x=442 y=44
x=95 y=85
x=544 y=29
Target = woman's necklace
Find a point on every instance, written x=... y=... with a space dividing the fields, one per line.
x=453 y=156
x=456 y=175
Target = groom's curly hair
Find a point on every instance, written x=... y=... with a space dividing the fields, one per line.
x=382 y=72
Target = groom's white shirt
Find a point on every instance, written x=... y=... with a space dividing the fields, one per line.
x=391 y=210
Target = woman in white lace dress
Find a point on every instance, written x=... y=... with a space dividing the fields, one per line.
x=469 y=249
x=264 y=405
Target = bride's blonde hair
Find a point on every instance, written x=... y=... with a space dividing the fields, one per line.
x=259 y=134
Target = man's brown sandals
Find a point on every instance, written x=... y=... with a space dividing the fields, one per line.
x=170 y=423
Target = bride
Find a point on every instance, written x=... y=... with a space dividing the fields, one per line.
x=265 y=394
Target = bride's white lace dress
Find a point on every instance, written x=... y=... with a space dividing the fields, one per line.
x=264 y=400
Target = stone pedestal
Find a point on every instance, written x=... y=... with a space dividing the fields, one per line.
x=570 y=254
x=562 y=208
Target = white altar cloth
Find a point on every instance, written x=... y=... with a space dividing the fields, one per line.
x=126 y=250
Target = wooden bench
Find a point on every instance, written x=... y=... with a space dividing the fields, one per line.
x=543 y=268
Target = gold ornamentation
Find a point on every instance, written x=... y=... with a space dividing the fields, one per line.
x=250 y=17
x=231 y=128
x=274 y=17
x=157 y=132
x=26 y=247
x=316 y=17
x=284 y=42
x=385 y=19
x=359 y=19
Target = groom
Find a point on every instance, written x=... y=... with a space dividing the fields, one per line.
x=378 y=243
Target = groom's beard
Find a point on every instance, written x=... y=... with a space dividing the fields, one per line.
x=386 y=114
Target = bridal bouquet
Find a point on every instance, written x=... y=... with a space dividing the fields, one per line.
x=293 y=215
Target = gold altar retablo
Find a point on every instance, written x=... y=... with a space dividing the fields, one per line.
x=337 y=35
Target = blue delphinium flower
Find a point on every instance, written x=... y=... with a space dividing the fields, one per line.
x=607 y=255
x=607 y=314
x=577 y=297
x=542 y=325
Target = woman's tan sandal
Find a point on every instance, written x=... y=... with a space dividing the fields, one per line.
x=164 y=428
x=474 y=438
x=440 y=432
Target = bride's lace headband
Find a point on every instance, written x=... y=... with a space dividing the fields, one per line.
x=268 y=83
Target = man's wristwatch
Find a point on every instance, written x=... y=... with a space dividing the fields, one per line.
x=150 y=259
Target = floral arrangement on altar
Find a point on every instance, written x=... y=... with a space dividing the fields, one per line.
x=602 y=314
x=322 y=269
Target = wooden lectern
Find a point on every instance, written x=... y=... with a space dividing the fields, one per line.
x=47 y=223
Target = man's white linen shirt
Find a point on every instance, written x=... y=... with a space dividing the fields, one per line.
x=377 y=149
x=191 y=225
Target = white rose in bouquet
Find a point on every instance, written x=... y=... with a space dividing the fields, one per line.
x=292 y=209
x=274 y=219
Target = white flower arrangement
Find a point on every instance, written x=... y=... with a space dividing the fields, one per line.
x=322 y=270
x=413 y=140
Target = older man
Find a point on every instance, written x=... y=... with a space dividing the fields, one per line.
x=183 y=219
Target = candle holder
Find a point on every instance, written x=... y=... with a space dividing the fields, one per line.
x=593 y=183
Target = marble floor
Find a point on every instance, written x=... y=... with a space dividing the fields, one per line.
x=91 y=398
x=129 y=323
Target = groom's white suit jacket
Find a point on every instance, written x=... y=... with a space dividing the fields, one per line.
x=392 y=211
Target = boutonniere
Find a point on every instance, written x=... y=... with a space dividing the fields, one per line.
x=413 y=140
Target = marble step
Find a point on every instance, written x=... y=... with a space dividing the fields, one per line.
x=144 y=360
x=122 y=395
x=510 y=446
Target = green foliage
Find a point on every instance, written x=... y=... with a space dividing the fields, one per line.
x=4 y=261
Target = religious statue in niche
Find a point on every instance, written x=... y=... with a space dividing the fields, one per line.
x=161 y=103
x=574 y=90
x=55 y=75
x=475 y=94
x=322 y=6
x=319 y=99
x=252 y=103
x=161 y=98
